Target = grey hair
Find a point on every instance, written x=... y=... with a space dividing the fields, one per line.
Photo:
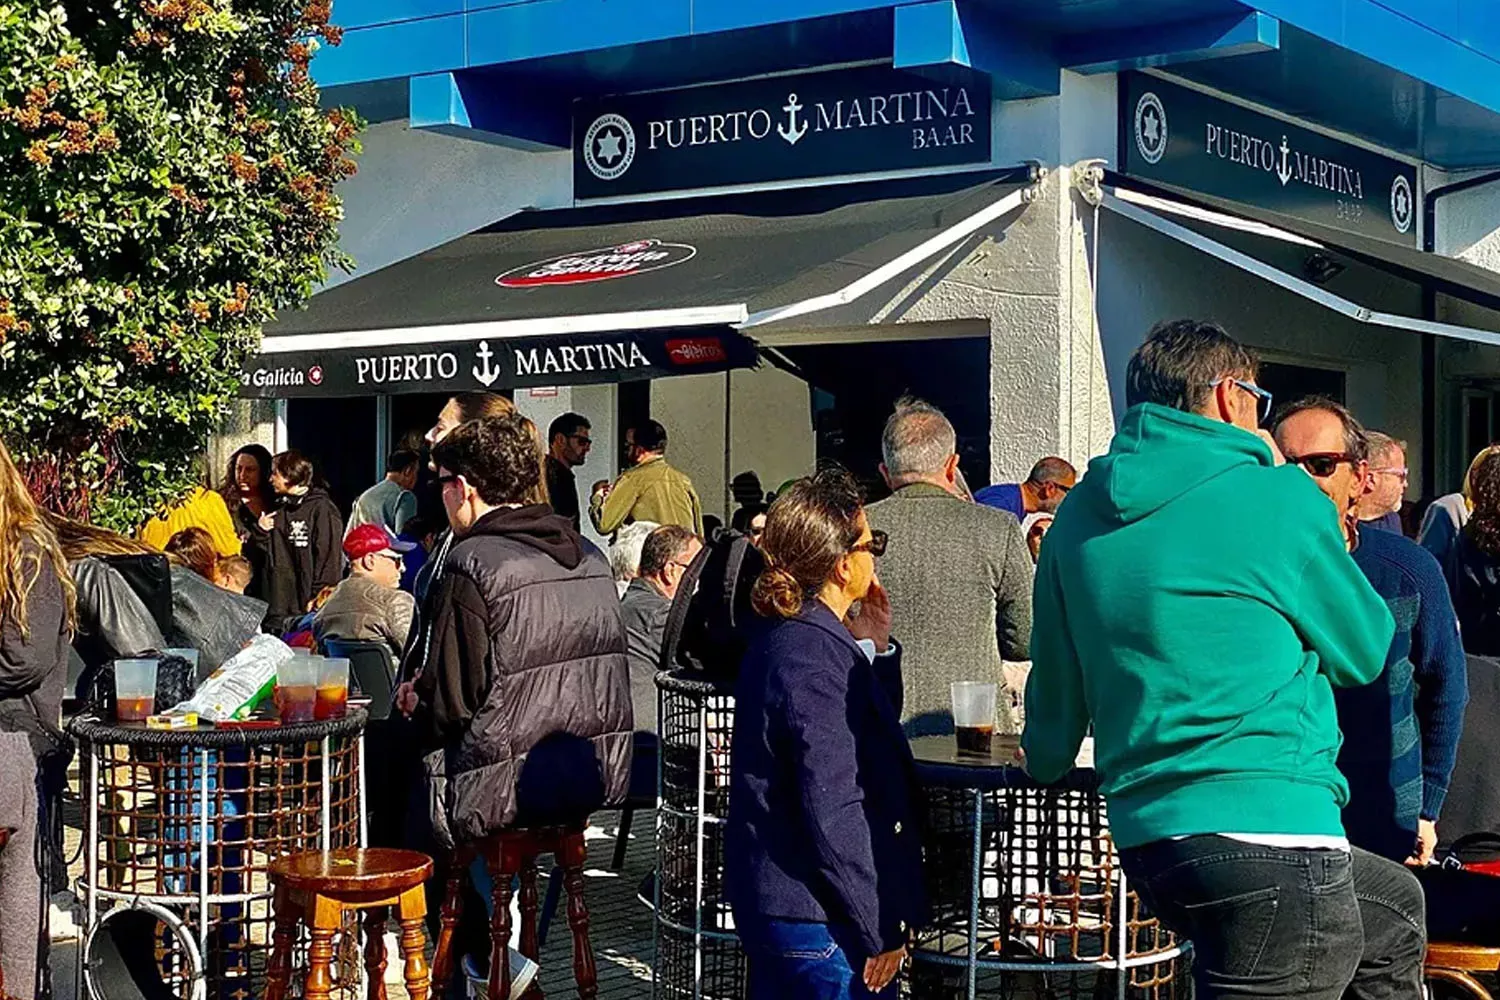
x=1380 y=443
x=917 y=441
x=625 y=550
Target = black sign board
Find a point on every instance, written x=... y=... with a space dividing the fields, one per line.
x=1180 y=137
x=510 y=363
x=851 y=121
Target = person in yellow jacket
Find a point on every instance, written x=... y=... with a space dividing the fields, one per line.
x=650 y=490
x=201 y=508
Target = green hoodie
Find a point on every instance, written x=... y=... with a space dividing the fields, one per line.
x=1197 y=604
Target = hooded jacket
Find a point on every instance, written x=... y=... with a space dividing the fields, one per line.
x=524 y=696
x=305 y=553
x=1198 y=604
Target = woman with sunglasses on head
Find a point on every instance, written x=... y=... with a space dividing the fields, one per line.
x=823 y=864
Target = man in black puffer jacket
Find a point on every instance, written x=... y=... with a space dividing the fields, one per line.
x=524 y=695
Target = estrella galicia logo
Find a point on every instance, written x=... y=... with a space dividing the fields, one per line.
x=1151 y=127
x=636 y=257
x=1401 y=203
x=609 y=147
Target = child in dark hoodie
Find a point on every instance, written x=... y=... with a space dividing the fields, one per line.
x=305 y=534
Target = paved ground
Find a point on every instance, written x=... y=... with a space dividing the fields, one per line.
x=621 y=926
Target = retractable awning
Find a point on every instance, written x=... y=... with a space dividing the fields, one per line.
x=619 y=293
x=1256 y=242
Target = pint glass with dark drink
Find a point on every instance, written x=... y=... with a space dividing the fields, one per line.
x=974 y=716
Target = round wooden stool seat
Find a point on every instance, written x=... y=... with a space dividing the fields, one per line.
x=318 y=888
x=352 y=870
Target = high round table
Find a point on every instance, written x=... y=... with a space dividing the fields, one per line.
x=1025 y=885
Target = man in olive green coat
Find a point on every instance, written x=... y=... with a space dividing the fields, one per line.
x=958 y=573
x=650 y=490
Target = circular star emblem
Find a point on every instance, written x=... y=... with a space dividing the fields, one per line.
x=315 y=375
x=1150 y=128
x=609 y=147
x=1401 y=204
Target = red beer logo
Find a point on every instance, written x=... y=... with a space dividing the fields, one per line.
x=697 y=351
x=635 y=257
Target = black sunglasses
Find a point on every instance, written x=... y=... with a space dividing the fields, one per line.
x=452 y=477
x=875 y=546
x=1322 y=464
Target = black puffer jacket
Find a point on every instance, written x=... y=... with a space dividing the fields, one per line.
x=524 y=695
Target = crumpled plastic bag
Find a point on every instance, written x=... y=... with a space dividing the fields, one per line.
x=233 y=691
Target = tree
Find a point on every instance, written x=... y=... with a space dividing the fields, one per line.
x=166 y=185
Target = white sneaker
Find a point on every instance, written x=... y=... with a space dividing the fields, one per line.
x=522 y=973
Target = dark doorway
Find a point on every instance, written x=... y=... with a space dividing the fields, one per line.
x=339 y=436
x=859 y=384
x=1289 y=383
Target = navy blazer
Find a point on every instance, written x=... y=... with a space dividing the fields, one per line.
x=822 y=825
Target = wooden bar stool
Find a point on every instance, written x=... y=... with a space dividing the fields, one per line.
x=507 y=855
x=317 y=888
x=1456 y=963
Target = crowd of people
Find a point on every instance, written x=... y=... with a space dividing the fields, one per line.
x=1275 y=678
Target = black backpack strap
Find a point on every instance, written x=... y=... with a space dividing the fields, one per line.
x=733 y=565
x=682 y=603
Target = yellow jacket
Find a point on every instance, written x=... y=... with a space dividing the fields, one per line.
x=652 y=491
x=202 y=509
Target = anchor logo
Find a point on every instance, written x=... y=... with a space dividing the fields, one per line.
x=488 y=373
x=793 y=130
x=1285 y=170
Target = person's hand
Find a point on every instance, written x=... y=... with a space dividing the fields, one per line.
x=406 y=698
x=880 y=970
x=1270 y=441
x=874 y=619
x=1427 y=840
x=601 y=488
x=267 y=521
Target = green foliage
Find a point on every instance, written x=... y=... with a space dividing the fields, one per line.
x=166 y=181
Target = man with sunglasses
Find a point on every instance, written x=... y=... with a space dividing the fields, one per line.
x=569 y=440
x=1196 y=604
x=368 y=605
x=1401 y=732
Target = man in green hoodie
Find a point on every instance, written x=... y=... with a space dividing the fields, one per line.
x=1196 y=603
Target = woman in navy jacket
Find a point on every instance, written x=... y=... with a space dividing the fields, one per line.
x=823 y=854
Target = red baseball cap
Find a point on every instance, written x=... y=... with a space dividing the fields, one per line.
x=374 y=539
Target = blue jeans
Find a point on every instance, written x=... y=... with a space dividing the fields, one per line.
x=791 y=958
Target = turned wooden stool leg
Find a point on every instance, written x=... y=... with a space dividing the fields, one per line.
x=574 y=853
x=530 y=903
x=279 y=968
x=503 y=861
x=453 y=908
x=414 y=943
x=327 y=914
x=375 y=919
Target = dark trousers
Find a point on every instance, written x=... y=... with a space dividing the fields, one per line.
x=1269 y=922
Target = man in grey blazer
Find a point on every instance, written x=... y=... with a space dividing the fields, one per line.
x=958 y=573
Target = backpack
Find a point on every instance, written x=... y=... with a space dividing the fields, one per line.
x=707 y=626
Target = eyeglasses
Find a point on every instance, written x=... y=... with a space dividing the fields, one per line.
x=1401 y=474
x=1263 y=397
x=449 y=478
x=875 y=546
x=1321 y=465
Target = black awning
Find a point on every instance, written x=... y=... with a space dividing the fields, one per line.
x=615 y=293
x=1448 y=275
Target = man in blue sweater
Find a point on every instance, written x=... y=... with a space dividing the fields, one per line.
x=1401 y=731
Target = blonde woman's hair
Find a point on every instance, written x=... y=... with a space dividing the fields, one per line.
x=80 y=541
x=26 y=539
x=1468 y=489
